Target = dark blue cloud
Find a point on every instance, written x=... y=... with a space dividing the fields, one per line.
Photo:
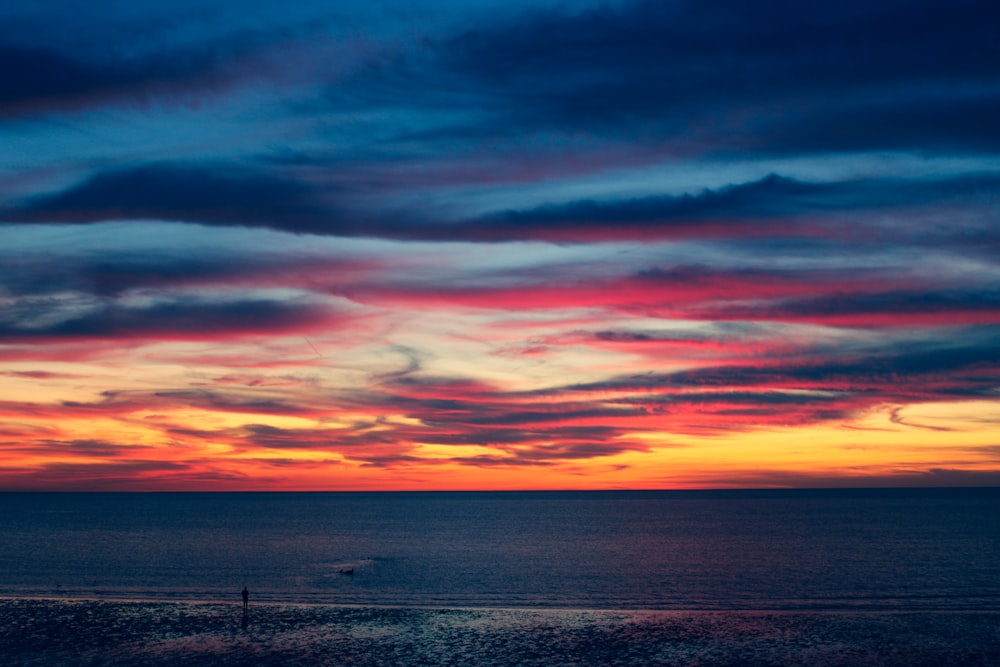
x=942 y=120
x=50 y=66
x=38 y=275
x=173 y=319
x=771 y=197
x=38 y=79
x=225 y=194
x=903 y=307
x=213 y=194
x=940 y=371
x=31 y=75
x=744 y=209
x=961 y=362
x=718 y=76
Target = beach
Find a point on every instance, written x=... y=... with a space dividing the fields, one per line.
x=637 y=579
x=105 y=632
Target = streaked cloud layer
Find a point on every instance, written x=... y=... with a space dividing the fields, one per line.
x=499 y=245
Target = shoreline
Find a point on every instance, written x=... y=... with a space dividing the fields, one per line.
x=918 y=606
x=235 y=602
x=90 y=632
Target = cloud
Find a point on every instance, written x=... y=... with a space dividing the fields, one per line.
x=40 y=375
x=549 y=455
x=821 y=385
x=772 y=206
x=175 y=319
x=746 y=209
x=219 y=194
x=94 y=449
x=943 y=370
x=897 y=308
x=127 y=475
x=851 y=295
x=209 y=265
x=244 y=402
x=859 y=477
x=226 y=194
x=721 y=78
x=68 y=74
x=941 y=119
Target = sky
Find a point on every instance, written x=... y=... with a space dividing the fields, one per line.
x=414 y=245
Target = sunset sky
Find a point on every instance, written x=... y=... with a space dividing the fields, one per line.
x=499 y=244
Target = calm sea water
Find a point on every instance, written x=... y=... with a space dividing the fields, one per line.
x=821 y=549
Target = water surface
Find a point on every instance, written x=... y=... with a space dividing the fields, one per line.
x=829 y=549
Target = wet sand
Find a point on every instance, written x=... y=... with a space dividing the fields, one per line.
x=84 y=632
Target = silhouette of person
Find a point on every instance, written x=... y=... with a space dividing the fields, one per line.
x=246 y=598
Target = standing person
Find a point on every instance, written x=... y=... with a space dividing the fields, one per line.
x=246 y=598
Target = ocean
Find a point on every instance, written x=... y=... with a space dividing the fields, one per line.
x=772 y=550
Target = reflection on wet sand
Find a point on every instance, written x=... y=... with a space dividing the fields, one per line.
x=77 y=632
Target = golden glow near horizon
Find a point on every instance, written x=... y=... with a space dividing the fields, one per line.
x=295 y=427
